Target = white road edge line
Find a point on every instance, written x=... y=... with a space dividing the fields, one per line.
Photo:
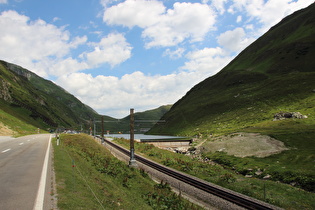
x=39 y=202
x=5 y=150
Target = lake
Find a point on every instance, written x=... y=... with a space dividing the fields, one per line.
x=141 y=136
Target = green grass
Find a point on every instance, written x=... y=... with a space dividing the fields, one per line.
x=100 y=181
x=19 y=127
x=230 y=171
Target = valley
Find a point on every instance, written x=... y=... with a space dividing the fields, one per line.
x=253 y=126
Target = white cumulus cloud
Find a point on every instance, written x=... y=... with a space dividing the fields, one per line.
x=163 y=27
x=269 y=12
x=112 y=49
x=206 y=62
x=234 y=40
x=33 y=44
x=46 y=49
x=142 y=13
x=109 y=95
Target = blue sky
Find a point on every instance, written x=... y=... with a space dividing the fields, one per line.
x=115 y=55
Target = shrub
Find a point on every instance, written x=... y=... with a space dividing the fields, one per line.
x=227 y=178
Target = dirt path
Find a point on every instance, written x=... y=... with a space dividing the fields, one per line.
x=244 y=144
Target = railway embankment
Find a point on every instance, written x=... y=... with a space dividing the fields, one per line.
x=194 y=194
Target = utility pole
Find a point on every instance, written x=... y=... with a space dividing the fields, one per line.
x=132 y=162
x=94 y=126
x=90 y=127
x=102 y=129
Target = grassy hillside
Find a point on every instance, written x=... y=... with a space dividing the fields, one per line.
x=275 y=73
x=39 y=102
x=89 y=177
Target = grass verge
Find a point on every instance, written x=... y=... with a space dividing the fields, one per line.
x=89 y=177
x=18 y=127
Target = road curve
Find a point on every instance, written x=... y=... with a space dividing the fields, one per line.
x=21 y=165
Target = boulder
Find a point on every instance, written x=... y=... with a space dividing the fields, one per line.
x=286 y=115
x=267 y=176
x=181 y=150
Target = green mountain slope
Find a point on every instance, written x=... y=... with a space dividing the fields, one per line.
x=43 y=104
x=40 y=102
x=275 y=73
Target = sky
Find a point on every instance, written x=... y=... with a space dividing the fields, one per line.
x=114 y=55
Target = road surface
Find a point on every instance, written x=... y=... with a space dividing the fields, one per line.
x=23 y=163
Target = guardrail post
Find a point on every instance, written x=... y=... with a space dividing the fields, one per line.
x=132 y=162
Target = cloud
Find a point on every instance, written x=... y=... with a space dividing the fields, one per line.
x=67 y=66
x=218 y=5
x=112 y=49
x=33 y=42
x=234 y=40
x=239 y=19
x=270 y=12
x=3 y=1
x=178 y=53
x=109 y=95
x=141 y=13
x=185 y=21
x=206 y=62
x=47 y=50
x=163 y=27
x=105 y=3
x=55 y=19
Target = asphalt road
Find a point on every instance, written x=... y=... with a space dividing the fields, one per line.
x=21 y=166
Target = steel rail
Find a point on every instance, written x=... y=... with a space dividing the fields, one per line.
x=233 y=198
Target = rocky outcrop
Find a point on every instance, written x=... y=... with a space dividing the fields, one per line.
x=286 y=115
x=19 y=70
x=5 y=91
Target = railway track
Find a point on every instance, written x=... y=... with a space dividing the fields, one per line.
x=236 y=198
